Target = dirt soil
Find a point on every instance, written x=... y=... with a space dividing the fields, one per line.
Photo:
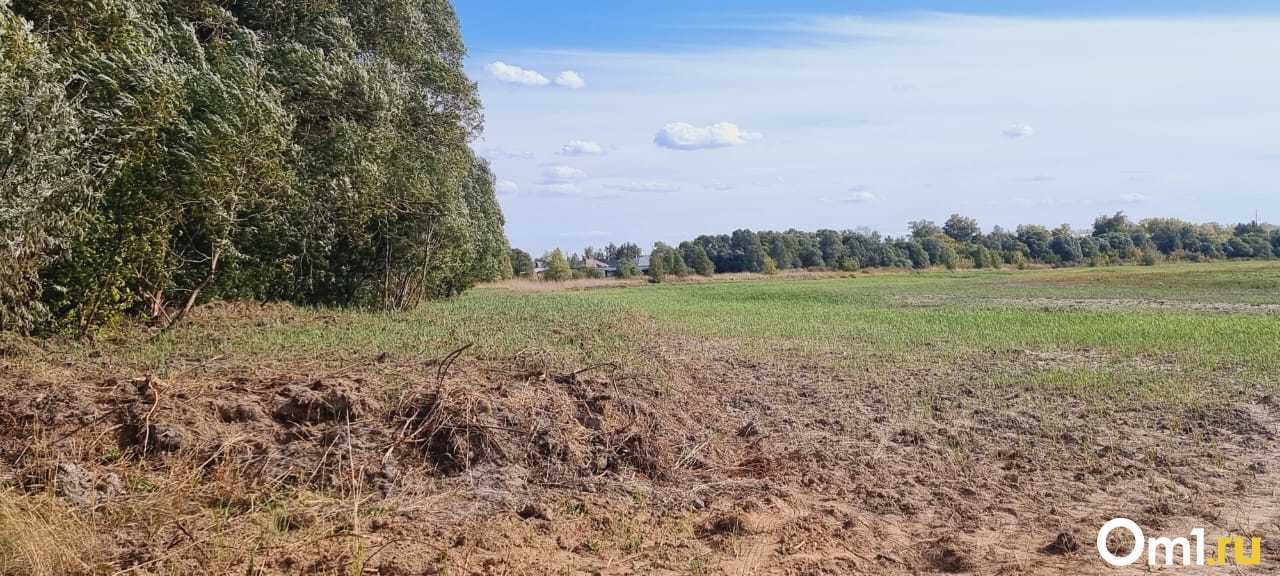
x=467 y=465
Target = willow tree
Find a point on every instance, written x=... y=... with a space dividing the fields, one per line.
x=41 y=181
x=307 y=151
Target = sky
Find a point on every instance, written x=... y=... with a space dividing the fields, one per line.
x=629 y=121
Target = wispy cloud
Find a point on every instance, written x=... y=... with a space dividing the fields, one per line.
x=855 y=195
x=558 y=189
x=499 y=153
x=561 y=174
x=506 y=188
x=644 y=186
x=1018 y=131
x=582 y=148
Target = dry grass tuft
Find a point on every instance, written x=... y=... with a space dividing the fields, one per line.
x=41 y=536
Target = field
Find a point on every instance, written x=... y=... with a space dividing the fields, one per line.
x=966 y=422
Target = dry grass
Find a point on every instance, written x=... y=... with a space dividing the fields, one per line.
x=42 y=536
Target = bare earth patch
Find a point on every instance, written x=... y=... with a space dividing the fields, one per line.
x=714 y=464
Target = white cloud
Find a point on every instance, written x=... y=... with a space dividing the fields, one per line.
x=507 y=188
x=718 y=186
x=682 y=136
x=516 y=75
x=560 y=174
x=1019 y=131
x=856 y=195
x=570 y=79
x=560 y=189
x=581 y=148
x=644 y=186
x=1134 y=198
x=497 y=152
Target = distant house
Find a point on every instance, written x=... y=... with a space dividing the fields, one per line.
x=642 y=265
x=593 y=264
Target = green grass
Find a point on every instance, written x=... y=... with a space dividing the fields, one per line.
x=963 y=323
x=973 y=326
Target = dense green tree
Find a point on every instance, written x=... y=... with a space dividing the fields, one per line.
x=42 y=179
x=1169 y=235
x=1065 y=245
x=1117 y=223
x=1036 y=239
x=696 y=257
x=747 y=253
x=783 y=247
x=307 y=151
x=658 y=263
x=675 y=261
x=1259 y=245
x=921 y=229
x=832 y=247
x=558 y=269
x=981 y=257
x=627 y=268
x=623 y=256
x=915 y=253
x=961 y=229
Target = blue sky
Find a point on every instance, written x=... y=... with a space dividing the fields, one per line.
x=643 y=121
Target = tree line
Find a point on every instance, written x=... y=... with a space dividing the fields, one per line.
x=156 y=153
x=958 y=243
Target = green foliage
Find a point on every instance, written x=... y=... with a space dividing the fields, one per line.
x=696 y=257
x=627 y=268
x=769 y=267
x=916 y=252
x=521 y=263
x=491 y=259
x=921 y=229
x=982 y=257
x=1065 y=246
x=664 y=261
x=1117 y=223
x=588 y=272
x=961 y=229
x=558 y=269
x=173 y=151
x=42 y=182
x=1036 y=240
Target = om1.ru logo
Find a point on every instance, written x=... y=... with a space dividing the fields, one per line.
x=1168 y=547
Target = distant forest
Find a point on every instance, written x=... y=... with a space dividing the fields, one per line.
x=957 y=243
x=158 y=153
